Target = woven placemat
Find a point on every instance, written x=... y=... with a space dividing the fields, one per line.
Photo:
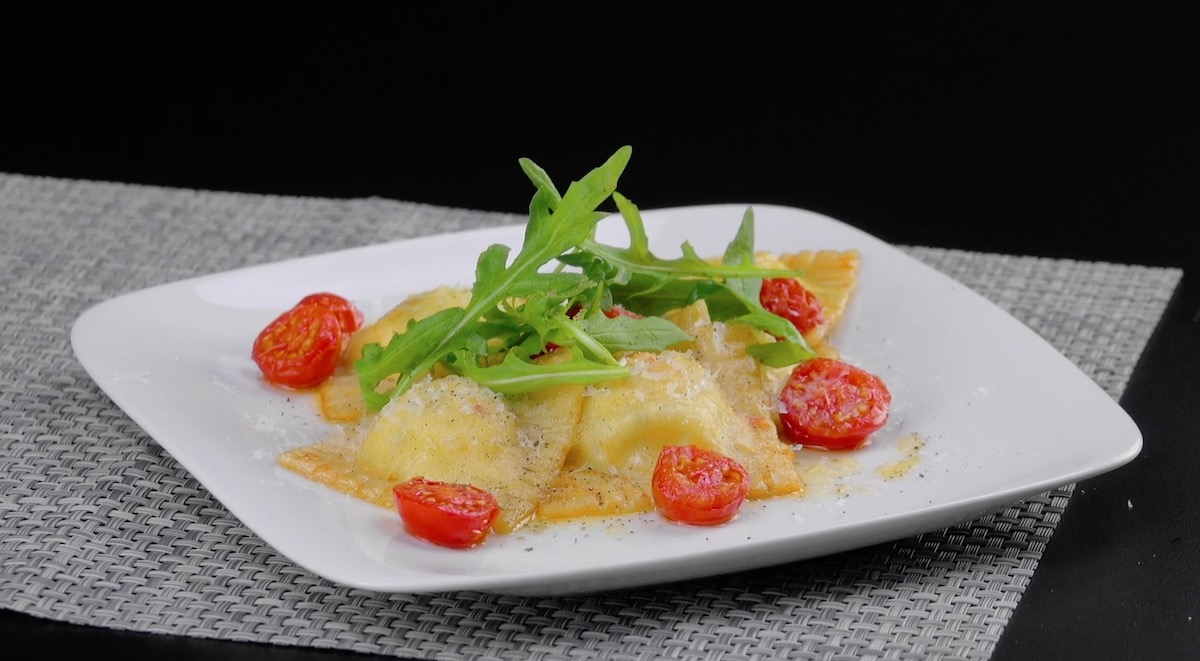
x=99 y=526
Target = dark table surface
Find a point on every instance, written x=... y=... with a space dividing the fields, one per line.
x=1065 y=133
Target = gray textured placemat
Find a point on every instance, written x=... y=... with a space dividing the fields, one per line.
x=99 y=526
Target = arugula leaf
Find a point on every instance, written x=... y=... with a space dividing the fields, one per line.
x=516 y=374
x=555 y=285
x=622 y=333
x=376 y=364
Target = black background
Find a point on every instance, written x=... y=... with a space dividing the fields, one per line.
x=1056 y=130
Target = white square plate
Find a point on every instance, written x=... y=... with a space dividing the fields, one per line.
x=1003 y=416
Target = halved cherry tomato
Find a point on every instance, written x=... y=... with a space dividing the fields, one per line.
x=300 y=348
x=696 y=486
x=830 y=404
x=349 y=316
x=445 y=513
x=789 y=299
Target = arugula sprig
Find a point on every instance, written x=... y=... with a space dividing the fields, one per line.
x=556 y=224
x=517 y=309
x=651 y=285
